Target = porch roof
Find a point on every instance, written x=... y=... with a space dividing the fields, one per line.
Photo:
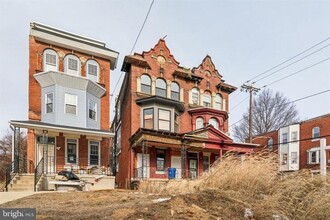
x=31 y=124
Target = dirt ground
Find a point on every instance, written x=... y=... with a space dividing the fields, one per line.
x=124 y=204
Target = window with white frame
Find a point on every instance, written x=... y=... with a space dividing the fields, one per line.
x=199 y=123
x=270 y=144
x=175 y=91
x=161 y=87
x=145 y=84
x=195 y=96
x=218 y=101
x=118 y=140
x=94 y=151
x=316 y=132
x=70 y=104
x=148 y=118
x=92 y=70
x=164 y=119
x=49 y=102
x=284 y=138
x=284 y=158
x=72 y=65
x=294 y=136
x=92 y=110
x=313 y=156
x=294 y=157
x=207 y=99
x=214 y=122
x=50 y=60
x=71 y=151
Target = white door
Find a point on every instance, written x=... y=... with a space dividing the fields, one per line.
x=176 y=163
x=146 y=169
x=48 y=155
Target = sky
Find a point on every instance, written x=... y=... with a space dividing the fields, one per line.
x=244 y=38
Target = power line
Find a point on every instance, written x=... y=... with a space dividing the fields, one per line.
x=238 y=103
x=137 y=38
x=289 y=59
x=306 y=68
x=290 y=64
x=305 y=97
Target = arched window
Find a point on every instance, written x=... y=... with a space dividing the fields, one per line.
x=50 y=60
x=195 y=96
x=270 y=144
x=199 y=123
x=160 y=87
x=218 y=102
x=175 y=91
x=214 y=122
x=207 y=99
x=72 y=65
x=145 y=84
x=92 y=70
x=316 y=132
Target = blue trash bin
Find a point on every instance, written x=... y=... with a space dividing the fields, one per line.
x=171 y=172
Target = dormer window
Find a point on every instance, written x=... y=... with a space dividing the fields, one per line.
x=50 y=60
x=175 y=94
x=161 y=87
x=145 y=84
x=218 y=102
x=207 y=99
x=72 y=65
x=92 y=70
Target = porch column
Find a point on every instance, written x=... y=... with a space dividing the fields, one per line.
x=183 y=161
x=144 y=161
x=220 y=154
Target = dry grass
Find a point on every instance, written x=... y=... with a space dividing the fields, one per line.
x=255 y=183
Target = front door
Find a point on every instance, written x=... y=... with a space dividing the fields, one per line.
x=193 y=168
x=143 y=171
x=47 y=152
x=176 y=163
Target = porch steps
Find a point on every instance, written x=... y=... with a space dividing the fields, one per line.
x=23 y=182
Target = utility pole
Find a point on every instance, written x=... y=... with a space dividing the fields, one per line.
x=252 y=90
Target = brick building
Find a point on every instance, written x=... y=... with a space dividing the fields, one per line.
x=298 y=145
x=170 y=116
x=69 y=85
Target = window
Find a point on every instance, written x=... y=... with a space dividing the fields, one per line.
x=294 y=157
x=160 y=87
x=207 y=100
x=175 y=91
x=160 y=160
x=313 y=156
x=70 y=104
x=316 y=132
x=284 y=159
x=294 y=136
x=49 y=103
x=218 y=102
x=270 y=144
x=50 y=60
x=92 y=70
x=145 y=84
x=199 y=123
x=72 y=65
x=214 y=122
x=195 y=96
x=71 y=151
x=206 y=163
x=118 y=110
x=284 y=138
x=94 y=153
x=148 y=118
x=176 y=122
x=164 y=120
x=92 y=108
x=118 y=140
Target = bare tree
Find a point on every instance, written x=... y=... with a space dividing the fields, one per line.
x=270 y=112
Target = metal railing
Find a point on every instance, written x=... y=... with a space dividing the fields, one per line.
x=38 y=171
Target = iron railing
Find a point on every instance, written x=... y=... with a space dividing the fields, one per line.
x=38 y=171
x=152 y=172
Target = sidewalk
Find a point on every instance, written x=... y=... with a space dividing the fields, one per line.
x=10 y=196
